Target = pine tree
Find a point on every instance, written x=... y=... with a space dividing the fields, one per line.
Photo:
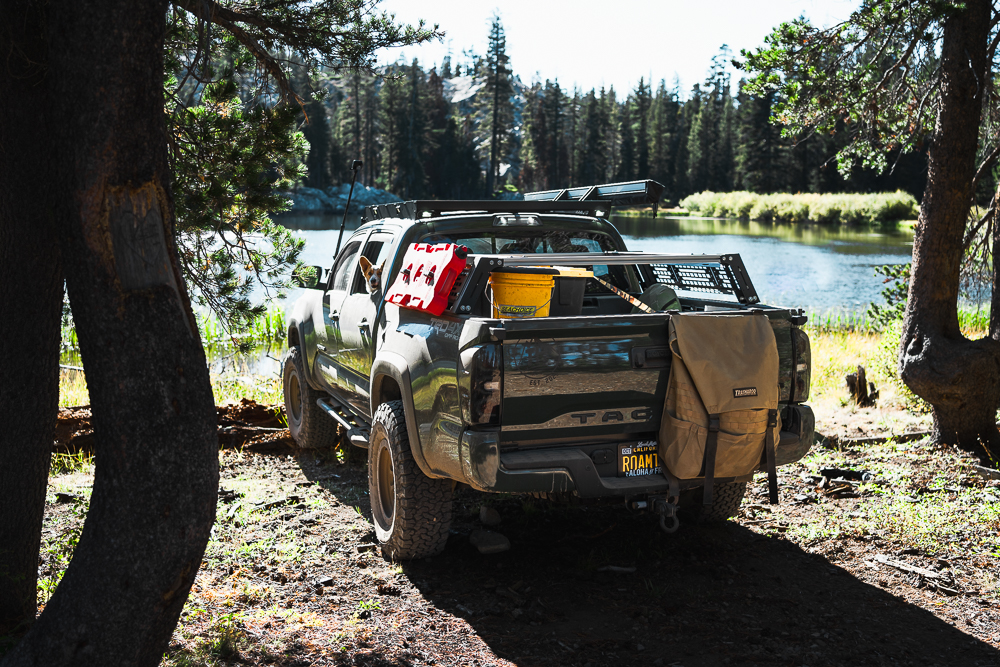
x=612 y=109
x=662 y=129
x=412 y=176
x=573 y=136
x=591 y=163
x=722 y=151
x=700 y=139
x=451 y=166
x=559 y=144
x=626 y=163
x=393 y=116
x=535 y=138
x=682 y=157
x=759 y=150
x=317 y=132
x=498 y=91
x=642 y=105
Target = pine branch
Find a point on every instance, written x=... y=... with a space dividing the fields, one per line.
x=213 y=12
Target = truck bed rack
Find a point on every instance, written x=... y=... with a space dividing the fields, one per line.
x=711 y=274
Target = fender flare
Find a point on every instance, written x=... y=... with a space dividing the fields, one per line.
x=393 y=365
x=302 y=330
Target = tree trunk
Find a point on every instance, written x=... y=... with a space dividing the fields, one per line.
x=153 y=500
x=960 y=378
x=31 y=279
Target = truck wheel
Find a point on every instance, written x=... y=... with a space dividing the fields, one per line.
x=411 y=511
x=311 y=428
x=726 y=501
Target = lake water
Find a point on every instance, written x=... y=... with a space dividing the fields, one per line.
x=820 y=268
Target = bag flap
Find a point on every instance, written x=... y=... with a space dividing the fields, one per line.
x=732 y=359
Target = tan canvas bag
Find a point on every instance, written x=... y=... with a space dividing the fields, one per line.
x=721 y=409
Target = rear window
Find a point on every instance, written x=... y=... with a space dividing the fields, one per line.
x=528 y=241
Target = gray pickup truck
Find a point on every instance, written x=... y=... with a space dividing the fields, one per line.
x=553 y=406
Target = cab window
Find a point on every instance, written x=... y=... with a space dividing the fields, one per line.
x=344 y=266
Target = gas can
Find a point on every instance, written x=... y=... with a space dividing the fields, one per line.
x=429 y=272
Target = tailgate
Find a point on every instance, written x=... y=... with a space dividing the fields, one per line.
x=583 y=378
x=595 y=379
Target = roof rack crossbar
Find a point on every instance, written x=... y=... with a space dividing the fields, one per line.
x=413 y=210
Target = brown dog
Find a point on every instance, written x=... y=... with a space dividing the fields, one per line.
x=373 y=274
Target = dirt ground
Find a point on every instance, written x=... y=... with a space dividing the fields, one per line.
x=898 y=569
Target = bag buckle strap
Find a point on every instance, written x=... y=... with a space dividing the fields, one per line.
x=769 y=447
x=711 y=446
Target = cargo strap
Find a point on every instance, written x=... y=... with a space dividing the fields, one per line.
x=772 y=469
x=711 y=445
x=625 y=295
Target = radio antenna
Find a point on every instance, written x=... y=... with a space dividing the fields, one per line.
x=340 y=237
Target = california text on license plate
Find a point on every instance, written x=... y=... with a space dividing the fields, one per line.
x=637 y=459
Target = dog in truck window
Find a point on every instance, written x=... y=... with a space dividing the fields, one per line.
x=372 y=273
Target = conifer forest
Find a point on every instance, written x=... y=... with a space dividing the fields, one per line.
x=471 y=126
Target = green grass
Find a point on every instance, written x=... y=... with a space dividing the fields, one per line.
x=265 y=335
x=841 y=342
x=849 y=209
x=905 y=508
x=264 y=331
x=72 y=388
x=229 y=388
x=67 y=464
x=973 y=322
x=648 y=211
x=841 y=322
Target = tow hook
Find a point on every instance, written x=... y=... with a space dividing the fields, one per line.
x=667 y=509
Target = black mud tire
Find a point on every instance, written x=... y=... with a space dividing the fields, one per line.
x=310 y=426
x=411 y=511
x=726 y=501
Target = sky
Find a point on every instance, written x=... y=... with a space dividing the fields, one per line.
x=609 y=43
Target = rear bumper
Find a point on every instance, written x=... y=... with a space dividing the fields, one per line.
x=576 y=470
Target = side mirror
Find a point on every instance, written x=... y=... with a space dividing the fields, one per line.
x=308 y=277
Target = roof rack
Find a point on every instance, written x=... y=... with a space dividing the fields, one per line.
x=412 y=210
x=580 y=201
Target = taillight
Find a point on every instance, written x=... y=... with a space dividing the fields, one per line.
x=485 y=386
x=801 y=365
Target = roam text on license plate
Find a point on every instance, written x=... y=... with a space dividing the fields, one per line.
x=637 y=459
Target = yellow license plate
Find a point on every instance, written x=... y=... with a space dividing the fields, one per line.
x=637 y=459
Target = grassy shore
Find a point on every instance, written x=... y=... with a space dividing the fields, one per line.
x=264 y=336
x=851 y=209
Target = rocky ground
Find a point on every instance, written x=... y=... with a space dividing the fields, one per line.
x=896 y=567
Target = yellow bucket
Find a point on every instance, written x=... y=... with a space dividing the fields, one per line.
x=522 y=292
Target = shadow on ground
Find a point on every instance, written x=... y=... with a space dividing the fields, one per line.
x=600 y=586
x=564 y=594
